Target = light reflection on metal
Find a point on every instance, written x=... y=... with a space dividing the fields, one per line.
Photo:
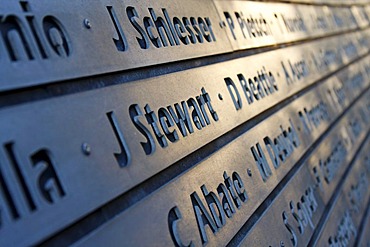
x=199 y=190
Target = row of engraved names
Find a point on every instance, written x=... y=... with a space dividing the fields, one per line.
x=198 y=209
x=126 y=36
x=298 y=209
x=134 y=164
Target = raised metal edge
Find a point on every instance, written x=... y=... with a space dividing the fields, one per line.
x=295 y=213
x=91 y=134
x=45 y=43
x=245 y=166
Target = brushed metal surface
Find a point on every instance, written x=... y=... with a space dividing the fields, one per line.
x=343 y=220
x=294 y=215
x=44 y=42
x=152 y=214
x=101 y=37
x=92 y=133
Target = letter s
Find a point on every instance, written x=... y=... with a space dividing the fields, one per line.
x=290 y=229
x=132 y=14
x=135 y=113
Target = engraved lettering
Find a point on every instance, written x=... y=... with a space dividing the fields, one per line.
x=121 y=43
x=174 y=216
x=196 y=111
x=124 y=157
x=26 y=40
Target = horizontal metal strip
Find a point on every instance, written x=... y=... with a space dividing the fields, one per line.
x=343 y=221
x=58 y=43
x=91 y=134
x=126 y=200
x=253 y=24
x=42 y=42
x=248 y=169
x=295 y=213
x=91 y=83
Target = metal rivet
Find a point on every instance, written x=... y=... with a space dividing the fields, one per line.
x=86 y=149
x=87 y=23
x=249 y=172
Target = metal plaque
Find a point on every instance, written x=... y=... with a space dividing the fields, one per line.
x=44 y=41
x=254 y=24
x=200 y=209
x=295 y=213
x=112 y=130
x=342 y=222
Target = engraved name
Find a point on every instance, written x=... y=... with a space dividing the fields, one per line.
x=291 y=24
x=170 y=122
x=320 y=22
x=279 y=149
x=253 y=26
x=254 y=88
x=220 y=205
x=313 y=117
x=161 y=30
x=358 y=191
x=345 y=231
x=295 y=71
x=330 y=165
x=325 y=58
x=300 y=214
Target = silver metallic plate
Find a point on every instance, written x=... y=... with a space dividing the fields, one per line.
x=59 y=43
x=295 y=213
x=254 y=24
x=343 y=222
x=43 y=42
x=233 y=165
x=70 y=138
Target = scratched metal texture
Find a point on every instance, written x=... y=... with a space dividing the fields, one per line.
x=73 y=170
